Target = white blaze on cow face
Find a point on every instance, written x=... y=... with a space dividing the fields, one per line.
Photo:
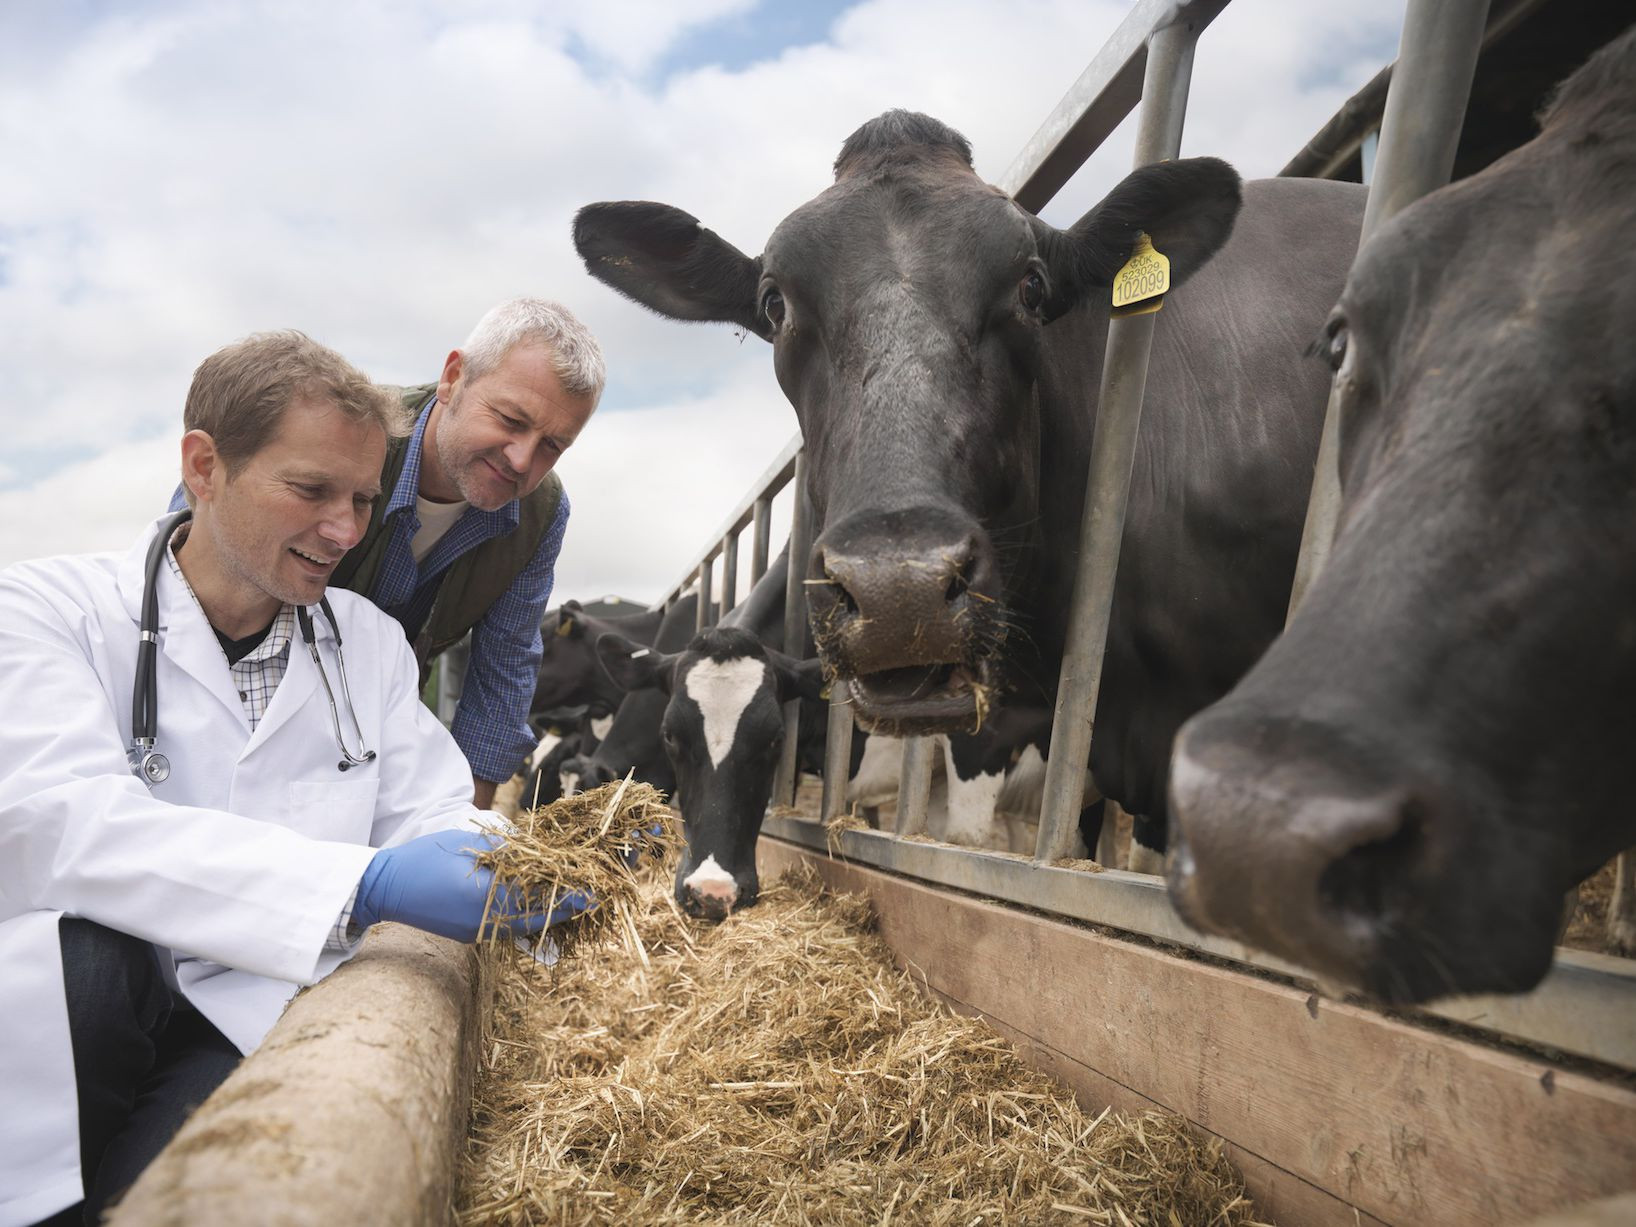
x=600 y=726
x=723 y=690
x=711 y=881
x=568 y=781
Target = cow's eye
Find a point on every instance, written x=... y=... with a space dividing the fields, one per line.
x=1031 y=290
x=1336 y=350
x=772 y=306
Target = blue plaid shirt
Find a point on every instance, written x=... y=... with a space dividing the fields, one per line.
x=491 y=723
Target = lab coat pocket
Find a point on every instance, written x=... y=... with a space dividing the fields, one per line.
x=339 y=810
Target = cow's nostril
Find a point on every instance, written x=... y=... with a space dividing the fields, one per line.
x=1359 y=886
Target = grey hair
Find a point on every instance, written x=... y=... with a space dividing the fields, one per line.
x=575 y=354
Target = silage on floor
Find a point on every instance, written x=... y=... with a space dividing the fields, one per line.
x=778 y=1069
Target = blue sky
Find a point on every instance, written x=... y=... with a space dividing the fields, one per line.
x=379 y=172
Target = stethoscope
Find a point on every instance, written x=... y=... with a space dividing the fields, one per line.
x=153 y=767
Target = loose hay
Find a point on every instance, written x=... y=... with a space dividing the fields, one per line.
x=777 y=1068
x=587 y=843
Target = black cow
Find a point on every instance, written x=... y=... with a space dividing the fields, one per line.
x=942 y=348
x=1399 y=793
x=631 y=742
x=723 y=732
x=569 y=675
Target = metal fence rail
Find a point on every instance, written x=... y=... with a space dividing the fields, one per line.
x=1587 y=1004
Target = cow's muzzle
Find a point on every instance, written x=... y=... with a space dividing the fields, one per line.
x=1296 y=839
x=905 y=607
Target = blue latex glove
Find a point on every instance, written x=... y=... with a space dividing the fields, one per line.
x=633 y=854
x=432 y=884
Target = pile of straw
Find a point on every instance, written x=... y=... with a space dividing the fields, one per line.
x=778 y=1069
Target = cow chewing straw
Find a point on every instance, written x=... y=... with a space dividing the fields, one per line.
x=777 y=1068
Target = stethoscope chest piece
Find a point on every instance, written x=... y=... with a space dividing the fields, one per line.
x=154 y=767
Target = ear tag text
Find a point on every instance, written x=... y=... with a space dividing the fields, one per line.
x=1139 y=287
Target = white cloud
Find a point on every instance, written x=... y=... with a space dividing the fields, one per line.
x=379 y=173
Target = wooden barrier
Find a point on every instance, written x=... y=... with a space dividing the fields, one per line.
x=352 y=1111
x=1336 y=1113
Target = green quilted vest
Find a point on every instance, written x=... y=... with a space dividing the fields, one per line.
x=472 y=582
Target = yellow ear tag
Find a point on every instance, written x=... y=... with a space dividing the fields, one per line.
x=564 y=628
x=1139 y=288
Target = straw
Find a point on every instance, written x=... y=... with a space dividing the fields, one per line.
x=778 y=1069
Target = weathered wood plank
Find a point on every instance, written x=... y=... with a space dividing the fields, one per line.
x=1407 y=1124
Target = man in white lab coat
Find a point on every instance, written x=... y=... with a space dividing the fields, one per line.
x=151 y=931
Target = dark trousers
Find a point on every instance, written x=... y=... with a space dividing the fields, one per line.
x=144 y=1058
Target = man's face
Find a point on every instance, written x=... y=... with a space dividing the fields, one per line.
x=500 y=434
x=301 y=502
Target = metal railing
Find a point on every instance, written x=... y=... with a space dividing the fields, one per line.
x=1587 y=1004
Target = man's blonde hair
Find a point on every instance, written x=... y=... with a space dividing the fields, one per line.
x=240 y=393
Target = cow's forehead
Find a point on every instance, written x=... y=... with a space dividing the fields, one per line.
x=723 y=690
x=864 y=214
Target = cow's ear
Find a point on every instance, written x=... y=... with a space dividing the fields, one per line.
x=633 y=666
x=796 y=679
x=1187 y=209
x=665 y=260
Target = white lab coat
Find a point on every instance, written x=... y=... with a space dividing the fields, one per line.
x=243 y=858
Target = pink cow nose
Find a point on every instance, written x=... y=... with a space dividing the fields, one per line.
x=712 y=898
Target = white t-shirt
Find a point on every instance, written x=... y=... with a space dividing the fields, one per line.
x=435 y=520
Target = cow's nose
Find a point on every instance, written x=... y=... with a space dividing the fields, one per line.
x=893 y=590
x=1309 y=856
x=711 y=898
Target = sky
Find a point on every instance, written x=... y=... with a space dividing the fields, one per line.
x=378 y=173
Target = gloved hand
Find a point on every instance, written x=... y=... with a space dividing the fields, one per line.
x=432 y=884
x=633 y=854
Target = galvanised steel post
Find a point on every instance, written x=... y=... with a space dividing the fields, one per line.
x=761 y=517
x=915 y=785
x=1118 y=417
x=795 y=624
x=837 y=758
x=1419 y=132
x=702 y=619
x=729 y=573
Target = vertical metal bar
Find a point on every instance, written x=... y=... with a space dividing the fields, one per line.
x=837 y=758
x=915 y=784
x=729 y=572
x=761 y=540
x=1367 y=149
x=1106 y=852
x=1419 y=133
x=795 y=626
x=703 y=618
x=1113 y=450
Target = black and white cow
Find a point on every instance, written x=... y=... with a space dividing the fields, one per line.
x=631 y=740
x=1400 y=792
x=942 y=348
x=723 y=732
x=569 y=675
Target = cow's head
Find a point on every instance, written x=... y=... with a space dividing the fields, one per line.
x=1401 y=791
x=723 y=731
x=568 y=674
x=908 y=307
